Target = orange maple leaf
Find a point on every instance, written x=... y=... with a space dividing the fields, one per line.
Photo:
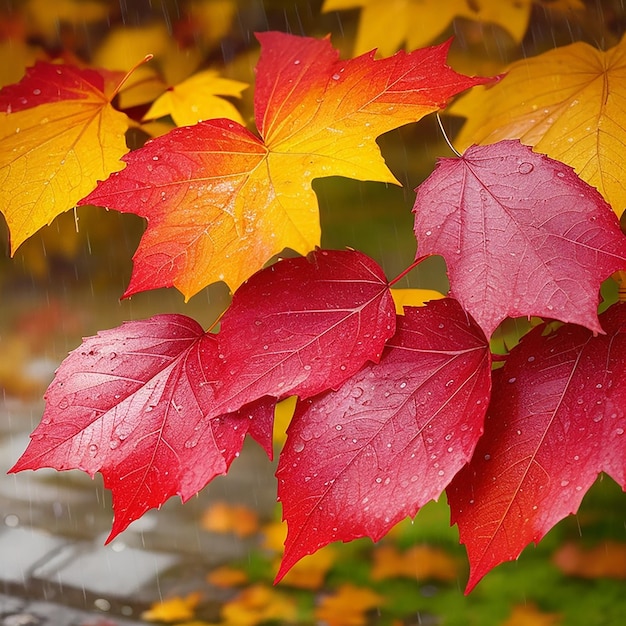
x=568 y=103
x=59 y=135
x=175 y=609
x=220 y=202
x=348 y=606
x=607 y=559
x=419 y=563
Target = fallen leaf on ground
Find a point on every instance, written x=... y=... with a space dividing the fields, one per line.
x=230 y=518
x=607 y=559
x=227 y=577
x=529 y=615
x=259 y=604
x=418 y=563
x=174 y=609
x=348 y=606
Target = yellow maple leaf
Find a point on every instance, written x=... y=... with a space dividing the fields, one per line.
x=282 y=418
x=413 y=297
x=170 y=63
x=348 y=606
x=387 y=24
x=15 y=57
x=221 y=517
x=196 y=99
x=173 y=609
x=59 y=135
x=569 y=103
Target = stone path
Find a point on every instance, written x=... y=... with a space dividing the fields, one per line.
x=54 y=566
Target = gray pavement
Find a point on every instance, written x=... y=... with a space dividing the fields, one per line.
x=54 y=566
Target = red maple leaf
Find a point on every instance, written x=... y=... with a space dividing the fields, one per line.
x=147 y=404
x=131 y=403
x=303 y=326
x=521 y=235
x=360 y=459
x=557 y=418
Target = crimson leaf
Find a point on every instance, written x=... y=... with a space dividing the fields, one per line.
x=557 y=418
x=521 y=234
x=359 y=459
x=131 y=403
x=302 y=326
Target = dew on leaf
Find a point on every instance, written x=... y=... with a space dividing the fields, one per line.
x=298 y=446
x=525 y=168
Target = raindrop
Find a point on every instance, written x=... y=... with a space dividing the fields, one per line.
x=440 y=473
x=512 y=380
x=525 y=168
x=379 y=480
x=338 y=427
x=93 y=449
x=298 y=446
x=114 y=444
x=487 y=457
x=307 y=367
x=564 y=483
x=531 y=359
x=597 y=418
x=336 y=77
x=619 y=431
x=64 y=403
x=36 y=92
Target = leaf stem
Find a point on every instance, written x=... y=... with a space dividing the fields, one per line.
x=404 y=272
x=128 y=74
x=445 y=136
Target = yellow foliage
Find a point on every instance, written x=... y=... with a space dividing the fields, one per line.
x=529 y=615
x=258 y=604
x=413 y=297
x=209 y=20
x=196 y=99
x=52 y=155
x=282 y=417
x=348 y=606
x=230 y=518
x=44 y=16
x=387 y=24
x=227 y=577
x=15 y=57
x=174 y=609
x=567 y=103
x=419 y=563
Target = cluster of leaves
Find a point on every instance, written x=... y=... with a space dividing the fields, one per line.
x=392 y=409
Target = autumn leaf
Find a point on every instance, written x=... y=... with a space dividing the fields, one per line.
x=568 y=103
x=391 y=438
x=140 y=403
x=607 y=559
x=521 y=235
x=220 y=202
x=44 y=17
x=388 y=24
x=420 y=562
x=273 y=342
x=59 y=135
x=258 y=604
x=226 y=577
x=530 y=615
x=221 y=517
x=175 y=609
x=207 y=21
x=555 y=421
x=131 y=403
x=348 y=606
x=413 y=297
x=196 y=99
